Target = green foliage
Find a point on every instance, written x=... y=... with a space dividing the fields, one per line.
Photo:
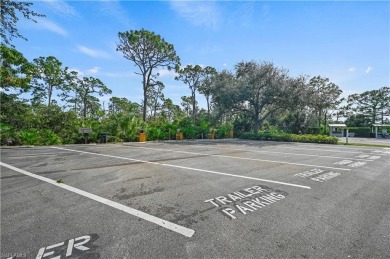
x=358 y=120
x=221 y=131
x=10 y=12
x=85 y=88
x=49 y=76
x=15 y=70
x=147 y=51
x=363 y=132
x=372 y=103
x=6 y=133
x=195 y=77
x=38 y=137
x=47 y=137
x=313 y=130
x=15 y=112
x=28 y=137
x=289 y=137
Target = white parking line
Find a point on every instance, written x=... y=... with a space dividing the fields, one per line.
x=189 y=168
x=246 y=158
x=336 y=149
x=256 y=151
x=163 y=223
x=332 y=148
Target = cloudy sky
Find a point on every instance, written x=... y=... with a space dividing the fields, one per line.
x=346 y=41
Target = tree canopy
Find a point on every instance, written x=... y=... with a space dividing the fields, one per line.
x=9 y=10
x=371 y=103
x=147 y=51
x=15 y=71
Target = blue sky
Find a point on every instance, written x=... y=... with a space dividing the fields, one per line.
x=346 y=41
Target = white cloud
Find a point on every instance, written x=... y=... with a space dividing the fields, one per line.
x=352 y=69
x=61 y=7
x=119 y=74
x=92 y=52
x=93 y=70
x=51 y=26
x=368 y=70
x=167 y=73
x=96 y=69
x=114 y=10
x=198 y=13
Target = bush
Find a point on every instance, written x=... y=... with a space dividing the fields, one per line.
x=29 y=137
x=313 y=130
x=48 y=137
x=38 y=137
x=363 y=132
x=7 y=133
x=289 y=137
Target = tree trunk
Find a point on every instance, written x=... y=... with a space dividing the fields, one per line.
x=382 y=115
x=49 y=98
x=208 y=107
x=256 y=120
x=75 y=103
x=85 y=109
x=193 y=108
x=145 y=105
x=319 y=120
x=256 y=125
x=325 y=123
x=145 y=83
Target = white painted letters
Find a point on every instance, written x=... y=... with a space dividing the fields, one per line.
x=229 y=212
x=212 y=202
x=248 y=200
x=72 y=243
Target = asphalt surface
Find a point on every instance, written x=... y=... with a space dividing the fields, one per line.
x=203 y=199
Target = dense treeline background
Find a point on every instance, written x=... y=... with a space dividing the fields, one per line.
x=255 y=97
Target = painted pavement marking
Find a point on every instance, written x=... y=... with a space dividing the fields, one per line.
x=248 y=200
x=318 y=175
x=246 y=158
x=261 y=151
x=190 y=168
x=335 y=150
x=163 y=223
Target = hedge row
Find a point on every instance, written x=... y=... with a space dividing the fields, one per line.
x=363 y=132
x=289 y=137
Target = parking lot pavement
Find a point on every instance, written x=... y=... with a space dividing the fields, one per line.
x=187 y=199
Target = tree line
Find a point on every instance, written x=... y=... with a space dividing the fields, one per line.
x=256 y=95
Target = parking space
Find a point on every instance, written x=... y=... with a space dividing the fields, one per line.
x=195 y=199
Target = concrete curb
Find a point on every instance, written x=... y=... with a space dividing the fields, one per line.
x=12 y=147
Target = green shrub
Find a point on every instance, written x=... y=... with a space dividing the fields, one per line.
x=363 y=132
x=48 y=137
x=38 y=137
x=28 y=137
x=289 y=137
x=6 y=133
x=313 y=130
